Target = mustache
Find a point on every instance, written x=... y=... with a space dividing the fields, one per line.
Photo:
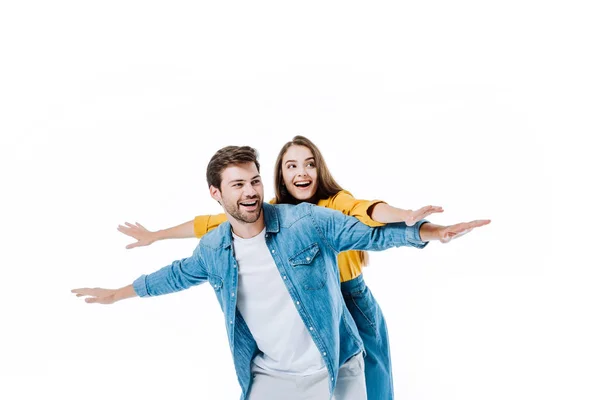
x=255 y=197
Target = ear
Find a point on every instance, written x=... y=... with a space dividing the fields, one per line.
x=215 y=193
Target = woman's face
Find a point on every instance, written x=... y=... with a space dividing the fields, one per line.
x=299 y=172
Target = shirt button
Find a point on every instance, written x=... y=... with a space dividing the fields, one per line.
x=266 y=235
x=284 y=277
x=332 y=379
x=307 y=258
x=232 y=294
x=231 y=322
x=273 y=251
x=324 y=353
x=297 y=302
x=310 y=328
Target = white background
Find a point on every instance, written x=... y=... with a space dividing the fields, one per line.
x=111 y=110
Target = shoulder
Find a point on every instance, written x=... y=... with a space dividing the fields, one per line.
x=337 y=201
x=289 y=214
x=218 y=237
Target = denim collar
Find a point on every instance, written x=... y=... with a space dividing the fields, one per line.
x=271 y=223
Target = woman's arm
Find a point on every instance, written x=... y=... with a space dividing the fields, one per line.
x=384 y=213
x=376 y=212
x=197 y=227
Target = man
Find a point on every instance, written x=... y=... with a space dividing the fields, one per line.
x=273 y=269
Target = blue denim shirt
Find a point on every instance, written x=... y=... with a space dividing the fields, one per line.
x=304 y=241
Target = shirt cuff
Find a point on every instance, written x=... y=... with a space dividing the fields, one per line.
x=139 y=285
x=412 y=235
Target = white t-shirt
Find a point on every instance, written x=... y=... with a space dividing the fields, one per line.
x=270 y=313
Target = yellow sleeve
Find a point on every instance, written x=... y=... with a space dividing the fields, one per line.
x=344 y=201
x=206 y=223
x=272 y=201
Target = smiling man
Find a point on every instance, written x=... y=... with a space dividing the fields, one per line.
x=274 y=271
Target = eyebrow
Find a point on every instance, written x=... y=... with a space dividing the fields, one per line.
x=309 y=158
x=243 y=180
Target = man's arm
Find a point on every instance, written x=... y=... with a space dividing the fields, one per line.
x=180 y=275
x=445 y=234
x=344 y=233
x=105 y=296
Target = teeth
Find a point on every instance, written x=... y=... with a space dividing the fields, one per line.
x=249 y=204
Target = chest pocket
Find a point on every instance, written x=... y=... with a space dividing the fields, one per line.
x=309 y=268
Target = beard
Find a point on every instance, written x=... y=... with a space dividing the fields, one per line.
x=237 y=211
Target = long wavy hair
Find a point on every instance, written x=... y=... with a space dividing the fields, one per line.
x=326 y=184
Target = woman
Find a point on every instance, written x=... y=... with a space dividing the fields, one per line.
x=301 y=175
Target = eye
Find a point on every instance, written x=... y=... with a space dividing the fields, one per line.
x=237 y=185
x=289 y=166
x=256 y=182
x=311 y=164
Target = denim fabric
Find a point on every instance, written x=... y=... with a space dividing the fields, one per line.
x=373 y=331
x=304 y=241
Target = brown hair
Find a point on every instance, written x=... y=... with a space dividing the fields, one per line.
x=326 y=185
x=230 y=155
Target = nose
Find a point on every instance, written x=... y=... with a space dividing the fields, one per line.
x=250 y=191
x=301 y=171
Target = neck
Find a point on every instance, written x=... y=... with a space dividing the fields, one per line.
x=247 y=230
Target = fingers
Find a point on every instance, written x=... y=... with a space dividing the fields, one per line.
x=427 y=210
x=477 y=223
x=133 y=245
x=140 y=225
x=82 y=292
x=430 y=209
x=465 y=226
x=95 y=295
x=458 y=230
x=128 y=230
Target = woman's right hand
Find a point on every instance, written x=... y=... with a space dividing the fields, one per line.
x=143 y=236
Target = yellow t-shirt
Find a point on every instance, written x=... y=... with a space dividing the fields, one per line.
x=349 y=262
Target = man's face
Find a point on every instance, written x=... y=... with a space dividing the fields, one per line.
x=241 y=193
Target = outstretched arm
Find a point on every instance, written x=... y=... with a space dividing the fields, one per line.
x=382 y=212
x=105 y=296
x=145 y=237
x=344 y=233
x=197 y=227
x=180 y=275
x=376 y=212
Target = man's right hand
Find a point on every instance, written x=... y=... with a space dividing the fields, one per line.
x=97 y=295
x=143 y=236
x=105 y=296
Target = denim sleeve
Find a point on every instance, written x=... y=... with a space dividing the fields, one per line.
x=344 y=233
x=180 y=275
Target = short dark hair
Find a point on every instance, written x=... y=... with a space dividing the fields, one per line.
x=230 y=155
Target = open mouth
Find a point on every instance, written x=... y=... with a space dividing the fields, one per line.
x=302 y=184
x=249 y=205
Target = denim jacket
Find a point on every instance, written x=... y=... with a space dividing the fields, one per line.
x=304 y=241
